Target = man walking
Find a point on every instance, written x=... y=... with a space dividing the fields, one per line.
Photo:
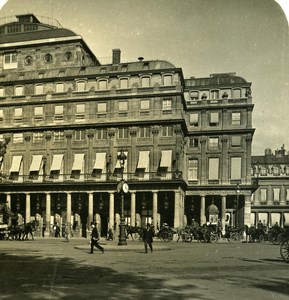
x=95 y=239
x=148 y=237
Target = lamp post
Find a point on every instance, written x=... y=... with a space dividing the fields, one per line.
x=122 y=188
x=237 y=204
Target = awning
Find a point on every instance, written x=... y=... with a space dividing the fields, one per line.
x=117 y=166
x=286 y=219
x=143 y=160
x=166 y=159
x=16 y=162
x=78 y=162
x=36 y=163
x=56 y=162
x=100 y=161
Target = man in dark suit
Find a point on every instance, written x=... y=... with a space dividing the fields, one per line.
x=95 y=239
x=147 y=237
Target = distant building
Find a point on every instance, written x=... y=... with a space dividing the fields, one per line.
x=65 y=118
x=270 y=202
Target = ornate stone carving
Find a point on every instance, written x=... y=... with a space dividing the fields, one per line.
x=90 y=133
x=27 y=136
x=68 y=134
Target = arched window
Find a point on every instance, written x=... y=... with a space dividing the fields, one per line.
x=59 y=87
x=237 y=93
x=145 y=81
x=123 y=83
x=102 y=84
x=167 y=79
x=19 y=90
x=81 y=86
x=39 y=89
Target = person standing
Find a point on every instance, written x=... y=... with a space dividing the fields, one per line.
x=94 y=240
x=148 y=237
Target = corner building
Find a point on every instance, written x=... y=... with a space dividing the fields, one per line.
x=65 y=117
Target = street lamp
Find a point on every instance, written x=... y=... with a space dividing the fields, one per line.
x=122 y=188
x=237 y=204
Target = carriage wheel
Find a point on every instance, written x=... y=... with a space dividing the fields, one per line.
x=280 y=238
x=165 y=236
x=188 y=237
x=234 y=237
x=214 y=238
x=261 y=238
x=284 y=250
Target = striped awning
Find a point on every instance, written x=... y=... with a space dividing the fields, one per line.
x=36 y=163
x=78 y=162
x=143 y=160
x=56 y=162
x=16 y=163
x=100 y=161
x=166 y=159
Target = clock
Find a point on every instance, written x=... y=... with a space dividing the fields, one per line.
x=125 y=187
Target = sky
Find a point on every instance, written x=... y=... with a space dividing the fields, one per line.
x=248 y=37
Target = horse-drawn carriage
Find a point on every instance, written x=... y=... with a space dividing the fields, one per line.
x=256 y=234
x=284 y=250
x=166 y=233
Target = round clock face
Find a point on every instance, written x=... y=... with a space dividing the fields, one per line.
x=125 y=187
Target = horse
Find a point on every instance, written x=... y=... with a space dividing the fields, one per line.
x=130 y=230
x=28 y=228
x=255 y=234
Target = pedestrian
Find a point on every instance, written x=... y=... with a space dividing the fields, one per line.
x=148 y=237
x=95 y=239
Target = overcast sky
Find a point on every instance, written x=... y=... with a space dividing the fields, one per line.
x=249 y=37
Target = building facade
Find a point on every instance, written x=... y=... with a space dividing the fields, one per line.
x=270 y=202
x=65 y=118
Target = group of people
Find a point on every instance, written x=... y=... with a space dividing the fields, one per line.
x=147 y=237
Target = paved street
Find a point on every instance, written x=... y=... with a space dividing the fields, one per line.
x=55 y=269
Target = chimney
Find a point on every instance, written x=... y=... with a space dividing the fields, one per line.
x=115 y=56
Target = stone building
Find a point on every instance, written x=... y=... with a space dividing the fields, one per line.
x=270 y=202
x=65 y=117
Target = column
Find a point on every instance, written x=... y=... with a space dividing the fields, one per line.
x=68 y=211
x=48 y=215
x=270 y=195
x=203 y=211
x=155 y=210
x=111 y=210
x=8 y=200
x=247 y=210
x=132 y=208
x=204 y=175
x=90 y=209
x=248 y=159
x=223 y=214
x=27 y=208
x=225 y=164
x=177 y=222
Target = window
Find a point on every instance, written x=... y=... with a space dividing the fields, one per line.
x=194 y=143
x=38 y=112
x=144 y=132
x=145 y=104
x=122 y=106
x=214 y=119
x=79 y=135
x=10 y=60
x=236 y=140
x=58 y=136
x=101 y=107
x=193 y=169
x=102 y=84
x=194 y=119
x=80 y=111
x=263 y=170
x=18 y=114
x=39 y=89
x=167 y=104
x=59 y=87
x=19 y=90
x=101 y=134
x=276 y=170
x=276 y=192
x=58 y=113
x=194 y=95
x=167 y=131
x=145 y=81
x=167 y=79
x=17 y=138
x=124 y=83
x=214 y=142
x=215 y=95
x=236 y=93
x=236 y=168
x=123 y=133
x=48 y=58
x=2 y=92
x=236 y=118
x=37 y=137
x=81 y=86
x=1 y=115
x=14 y=28
x=213 y=168
x=263 y=195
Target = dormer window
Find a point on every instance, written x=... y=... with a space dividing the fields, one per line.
x=215 y=95
x=167 y=80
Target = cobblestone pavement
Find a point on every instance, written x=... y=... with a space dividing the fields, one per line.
x=55 y=269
